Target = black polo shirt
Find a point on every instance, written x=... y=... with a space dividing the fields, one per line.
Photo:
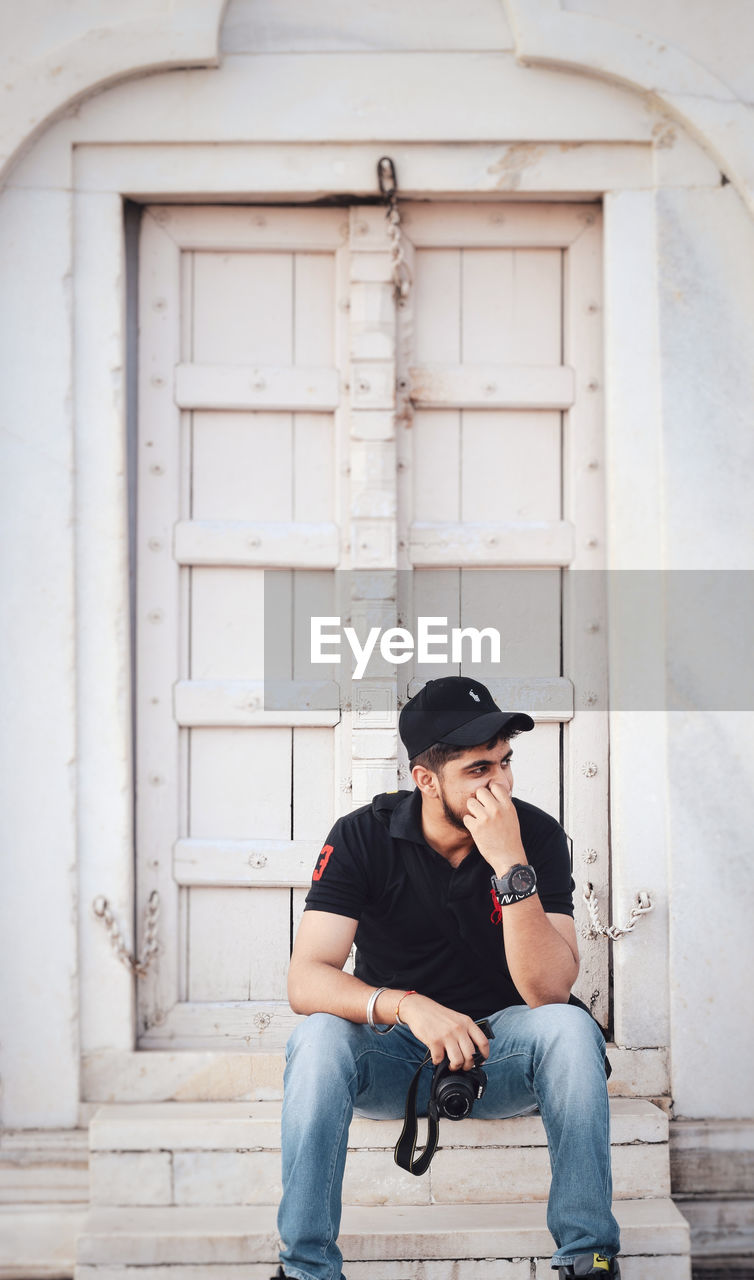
x=422 y=923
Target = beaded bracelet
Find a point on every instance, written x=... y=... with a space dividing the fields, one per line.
x=398 y=1017
x=370 y=1012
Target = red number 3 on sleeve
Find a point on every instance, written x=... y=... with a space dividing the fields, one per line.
x=324 y=858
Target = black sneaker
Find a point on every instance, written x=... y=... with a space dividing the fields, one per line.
x=594 y=1265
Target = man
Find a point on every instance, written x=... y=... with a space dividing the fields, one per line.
x=460 y=901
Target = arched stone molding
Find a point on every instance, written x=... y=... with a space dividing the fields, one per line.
x=545 y=34
x=188 y=36
x=42 y=87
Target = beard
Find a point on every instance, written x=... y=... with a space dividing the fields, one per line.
x=453 y=816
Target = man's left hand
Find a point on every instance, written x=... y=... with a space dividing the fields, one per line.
x=493 y=823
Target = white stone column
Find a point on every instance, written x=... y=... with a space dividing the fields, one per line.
x=706 y=257
x=39 y=1050
x=633 y=427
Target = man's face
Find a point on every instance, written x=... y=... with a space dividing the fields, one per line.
x=462 y=777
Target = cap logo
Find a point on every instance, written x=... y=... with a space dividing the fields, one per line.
x=475 y=696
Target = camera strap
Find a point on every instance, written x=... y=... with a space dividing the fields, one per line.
x=405 y=1147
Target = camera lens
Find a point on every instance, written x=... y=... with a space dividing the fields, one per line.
x=455 y=1098
x=457 y=1106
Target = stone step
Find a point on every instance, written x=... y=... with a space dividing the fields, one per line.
x=39 y=1240
x=229 y=1154
x=428 y=1242
x=217 y=1126
x=38 y=1165
x=159 y=1075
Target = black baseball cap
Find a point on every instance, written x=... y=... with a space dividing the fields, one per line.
x=457 y=711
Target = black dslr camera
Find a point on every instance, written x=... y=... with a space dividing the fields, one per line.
x=452 y=1094
x=455 y=1092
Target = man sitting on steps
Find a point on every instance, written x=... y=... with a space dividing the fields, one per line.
x=409 y=878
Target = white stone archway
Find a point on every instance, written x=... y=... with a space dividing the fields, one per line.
x=49 y=77
x=548 y=35
x=582 y=111
x=226 y=135
x=50 y=65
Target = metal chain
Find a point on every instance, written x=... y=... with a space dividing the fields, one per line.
x=101 y=908
x=402 y=282
x=387 y=178
x=644 y=904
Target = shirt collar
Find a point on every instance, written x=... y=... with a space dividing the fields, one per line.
x=406 y=819
x=406 y=824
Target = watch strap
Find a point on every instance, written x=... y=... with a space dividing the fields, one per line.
x=506 y=892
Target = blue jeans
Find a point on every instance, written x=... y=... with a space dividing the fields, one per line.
x=550 y=1058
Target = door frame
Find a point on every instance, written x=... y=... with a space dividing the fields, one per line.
x=104 y=176
x=368 y=429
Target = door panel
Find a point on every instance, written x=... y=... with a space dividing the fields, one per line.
x=243 y=308
x=510 y=465
x=236 y=949
x=313 y=475
x=240 y=783
x=510 y=306
x=488 y=306
x=228 y=481
x=524 y=606
x=313 y=763
x=227 y=623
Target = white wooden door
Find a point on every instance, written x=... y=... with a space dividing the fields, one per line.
x=241 y=355
x=267 y=439
x=502 y=492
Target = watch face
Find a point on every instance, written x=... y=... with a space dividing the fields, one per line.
x=522 y=880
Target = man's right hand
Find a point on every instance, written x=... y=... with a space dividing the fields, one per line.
x=444 y=1031
x=317 y=983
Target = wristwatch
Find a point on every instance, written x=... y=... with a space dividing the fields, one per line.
x=518 y=883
